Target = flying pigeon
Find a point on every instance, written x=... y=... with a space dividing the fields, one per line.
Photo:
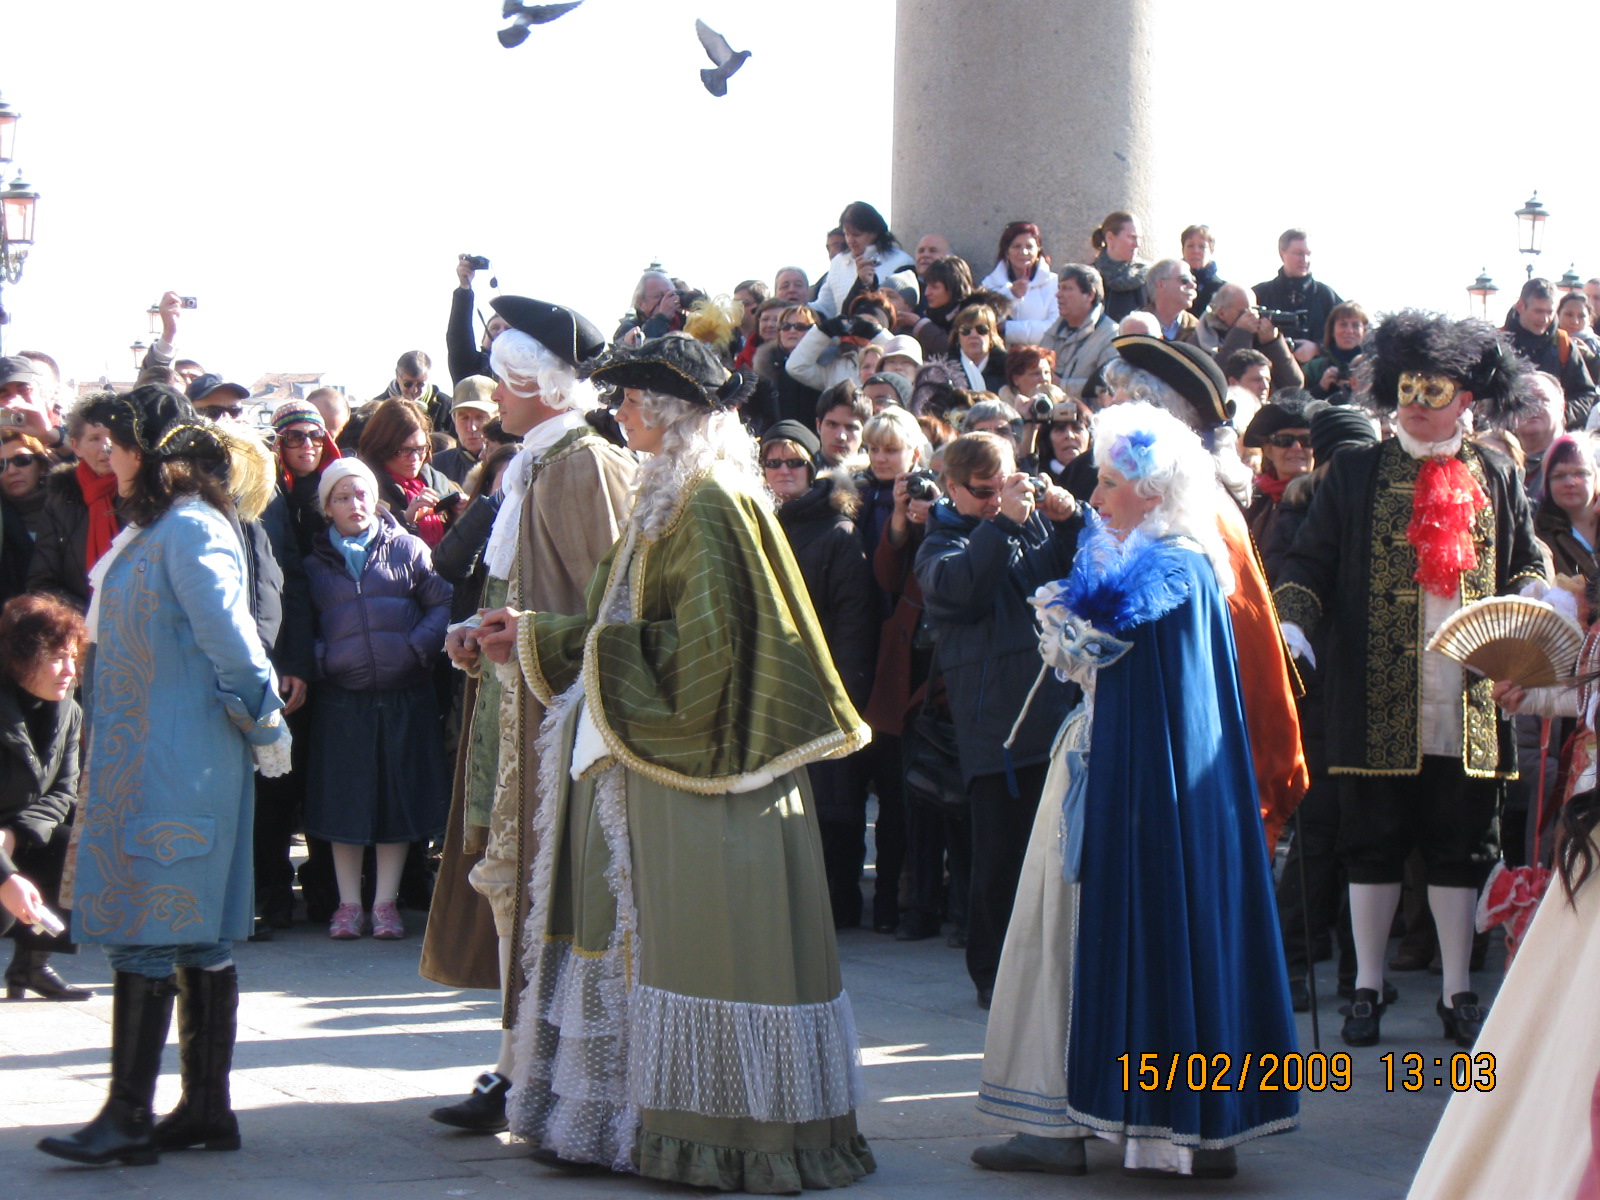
x=720 y=53
x=524 y=15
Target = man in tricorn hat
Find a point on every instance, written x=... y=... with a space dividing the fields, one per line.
x=561 y=503
x=1401 y=535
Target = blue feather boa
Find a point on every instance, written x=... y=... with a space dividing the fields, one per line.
x=1115 y=585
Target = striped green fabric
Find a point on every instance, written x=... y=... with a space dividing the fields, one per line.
x=722 y=676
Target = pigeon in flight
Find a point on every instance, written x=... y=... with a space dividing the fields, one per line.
x=524 y=15
x=720 y=53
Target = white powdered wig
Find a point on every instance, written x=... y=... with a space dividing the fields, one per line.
x=526 y=366
x=1163 y=458
x=695 y=437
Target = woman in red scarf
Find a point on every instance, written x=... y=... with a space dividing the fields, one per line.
x=1281 y=430
x=79 y=518
x=397 y=446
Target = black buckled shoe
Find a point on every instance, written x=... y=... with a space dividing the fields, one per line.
x=484 y=1111
x=1361 y=1026
x=1463 y=1018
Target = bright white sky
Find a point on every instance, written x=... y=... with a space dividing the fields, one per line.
x=311 y=170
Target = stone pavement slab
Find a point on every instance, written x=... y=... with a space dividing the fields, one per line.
x=343 y=1050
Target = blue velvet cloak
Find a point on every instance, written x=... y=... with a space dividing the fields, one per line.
x=1178 y=946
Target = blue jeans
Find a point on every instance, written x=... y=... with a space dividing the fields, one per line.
x=159 y=962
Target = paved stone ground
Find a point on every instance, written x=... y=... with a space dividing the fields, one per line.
x=344 y=1049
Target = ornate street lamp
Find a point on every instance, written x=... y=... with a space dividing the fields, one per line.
x=1482 y=288
x=153 y=314
x=1530 y=228
x=8 y=131
x=16 y=225
x=1570 y=281
x=138 y=349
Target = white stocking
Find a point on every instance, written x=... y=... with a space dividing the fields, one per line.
x=1454 y=909
x=507 y=1051
x=1372 y=908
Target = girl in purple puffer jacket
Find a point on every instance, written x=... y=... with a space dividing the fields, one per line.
x=377 y=772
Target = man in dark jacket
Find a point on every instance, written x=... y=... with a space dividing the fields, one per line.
x=410 y=382
x=986 y=550
x=1416 y=743
x=1532 y=326
x=1292 y=290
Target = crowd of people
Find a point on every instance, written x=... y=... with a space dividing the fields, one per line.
x=1068 y=592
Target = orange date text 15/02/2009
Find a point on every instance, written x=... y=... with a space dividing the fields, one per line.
x=1294 y=1072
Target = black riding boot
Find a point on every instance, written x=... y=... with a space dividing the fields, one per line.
x=141 y=1011
x=208 y=1021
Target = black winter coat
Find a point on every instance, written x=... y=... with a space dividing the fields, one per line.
x=976 y=579
x=387 y=630
x=38 y=768
x=57 y=564
x=833 y=562
x=460 y=346
x=794 y=400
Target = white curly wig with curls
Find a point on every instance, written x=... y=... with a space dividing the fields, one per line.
x=694 y=438
x=1164 y=459
x=526 y=366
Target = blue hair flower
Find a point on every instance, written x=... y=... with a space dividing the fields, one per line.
x=1134 y=455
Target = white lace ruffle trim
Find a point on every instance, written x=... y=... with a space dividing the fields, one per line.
x=722 y=1058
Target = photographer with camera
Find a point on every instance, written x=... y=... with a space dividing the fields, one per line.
x=657 y=309
x=1234 y=323
x=995 y=538
x=465 y=355
x=1331 y=371
x=1294 y=292
x=828 y=354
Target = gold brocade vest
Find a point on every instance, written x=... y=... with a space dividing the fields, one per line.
x=1395 y=636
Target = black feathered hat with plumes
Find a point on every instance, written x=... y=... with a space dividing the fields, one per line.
x=1470 y=351
x=676 y=365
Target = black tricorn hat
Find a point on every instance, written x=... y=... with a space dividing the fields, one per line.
x=676 y=365
x=569 y=335
x=1185 y=368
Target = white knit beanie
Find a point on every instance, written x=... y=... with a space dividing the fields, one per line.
x=343 y=468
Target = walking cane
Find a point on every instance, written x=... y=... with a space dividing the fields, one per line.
x=1305 y=916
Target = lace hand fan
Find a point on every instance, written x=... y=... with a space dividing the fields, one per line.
x=1526 y=642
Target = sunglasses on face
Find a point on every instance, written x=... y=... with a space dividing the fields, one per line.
x=295 y=438
x=215 y=411
x=981 y=493
x=1284 y=441
x=19 y=460
x=793 y=327
x=794 y=464
x=980 y=330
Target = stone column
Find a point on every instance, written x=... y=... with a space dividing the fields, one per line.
x=1022 y=110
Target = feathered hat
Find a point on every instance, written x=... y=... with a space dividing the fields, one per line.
x=1470 y=351
x=676 y=365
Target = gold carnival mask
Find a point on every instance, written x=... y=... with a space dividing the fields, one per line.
x=1435 y=391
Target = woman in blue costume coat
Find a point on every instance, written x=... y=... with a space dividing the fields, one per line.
x=1145 y=923
x=183 y=697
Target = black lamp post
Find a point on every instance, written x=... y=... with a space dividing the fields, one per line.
x=138 y=350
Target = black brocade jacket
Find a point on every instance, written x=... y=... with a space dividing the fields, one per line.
x=1351 y=574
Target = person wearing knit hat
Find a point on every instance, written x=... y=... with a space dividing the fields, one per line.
x=1400 y=536
x=343 y=469
x=886 y=388
x=559 y=509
